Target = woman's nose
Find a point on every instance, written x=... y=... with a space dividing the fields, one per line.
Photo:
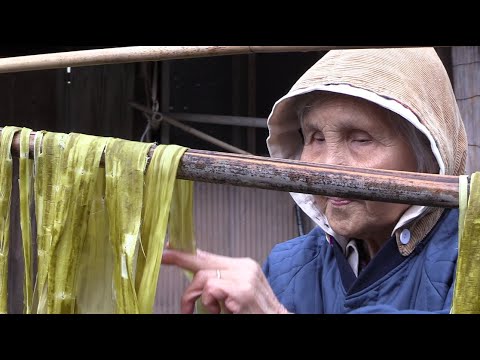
x=335 y=156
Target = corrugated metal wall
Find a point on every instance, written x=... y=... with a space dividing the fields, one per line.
x=231 y=221
x=466 y=76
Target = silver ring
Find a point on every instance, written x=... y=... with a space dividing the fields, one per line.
x=219 y=275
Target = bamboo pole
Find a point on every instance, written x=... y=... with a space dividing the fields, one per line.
x=252 y=103
x=220 y=119
x=165 y=101
x=295 y=176
x=209 y=119
x=134 y=54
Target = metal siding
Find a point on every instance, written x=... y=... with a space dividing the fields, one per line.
x=466 y=76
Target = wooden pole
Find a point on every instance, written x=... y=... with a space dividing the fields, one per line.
x=165 y=101
x=252 y=101
x=133 y=54
x=295 y=176
x=237 y=87
x=210 y=119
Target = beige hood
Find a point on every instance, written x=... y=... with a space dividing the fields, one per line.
x=411 y=82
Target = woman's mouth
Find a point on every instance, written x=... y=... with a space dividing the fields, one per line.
x=338 y=201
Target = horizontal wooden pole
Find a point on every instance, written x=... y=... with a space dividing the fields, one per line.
x=328 y=180
x=221 y=119
x=134 y=54
x=210 y=119
x=310 y=178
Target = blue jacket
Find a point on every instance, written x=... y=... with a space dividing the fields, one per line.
x=309 y=275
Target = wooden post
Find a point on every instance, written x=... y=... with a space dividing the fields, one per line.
x=165 y=101
x=252 y=101
x=236 y=98
x=147 y=85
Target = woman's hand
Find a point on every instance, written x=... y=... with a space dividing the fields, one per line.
x=234 y=285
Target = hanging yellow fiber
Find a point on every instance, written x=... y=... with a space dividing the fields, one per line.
x=467 y=283
x=95 y=293
x=100 y=232
x=49 y=149
x=5 y=199
x=159 y=188
x=125 y=163
x=66 y=173
x=181 y=230
x=25 y=190
x=81 y=164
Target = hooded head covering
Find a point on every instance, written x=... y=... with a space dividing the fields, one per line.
x=411 y=82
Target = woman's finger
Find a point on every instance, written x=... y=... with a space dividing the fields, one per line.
x=195 y=290
x=209 y=297
x=194 y=262
x=187 y=304
x=215 y=293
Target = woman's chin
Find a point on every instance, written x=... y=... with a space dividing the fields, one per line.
x=344 y=228
x=343 y=220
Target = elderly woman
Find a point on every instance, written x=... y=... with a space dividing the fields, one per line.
x=378 y=108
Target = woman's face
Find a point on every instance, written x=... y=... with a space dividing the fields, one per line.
x=345 y=130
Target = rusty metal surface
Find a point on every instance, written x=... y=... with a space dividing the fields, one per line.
x=466 y=80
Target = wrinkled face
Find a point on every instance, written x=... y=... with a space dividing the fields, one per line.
x=345 y=130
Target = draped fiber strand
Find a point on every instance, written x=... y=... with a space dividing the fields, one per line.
x=65 y=178
x=466 y=298
x=100 y=232
x=81 y=165
x=181 y=231
x=48 y=158
x=160 y=185
x=125 y=163
x=95 y=293
x=5 y=198
x=25 y=191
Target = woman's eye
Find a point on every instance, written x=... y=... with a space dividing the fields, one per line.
x=318 y=137
x=360 y=137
